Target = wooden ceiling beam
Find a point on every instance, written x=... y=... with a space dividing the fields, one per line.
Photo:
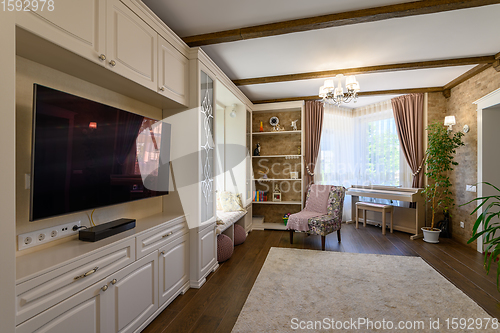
x=462 y=78
x=368 y=70
x=361 y=93
x=336 y=20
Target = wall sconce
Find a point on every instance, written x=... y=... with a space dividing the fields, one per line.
x=449 y=121
x=233 y=113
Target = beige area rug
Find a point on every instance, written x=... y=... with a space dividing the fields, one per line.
x=316 y=291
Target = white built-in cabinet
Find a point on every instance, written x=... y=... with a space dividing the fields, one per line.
x=173 y=72
x=112 y=34
x=76 y=25
x=173 y=268
x=131 y=45
x=119 y=303
x=120 y=288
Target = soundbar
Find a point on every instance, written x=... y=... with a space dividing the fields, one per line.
x=106 y=230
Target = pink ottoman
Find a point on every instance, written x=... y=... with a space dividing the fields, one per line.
x=239 y=234
x=224 y=248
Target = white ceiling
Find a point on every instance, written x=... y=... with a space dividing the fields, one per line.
x=453 y=34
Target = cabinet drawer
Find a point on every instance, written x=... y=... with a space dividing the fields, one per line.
x=152 y=240
x=40 y=293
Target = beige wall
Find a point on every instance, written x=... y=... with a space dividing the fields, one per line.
x=460 y=105
x=29 y=72
x=7 y=172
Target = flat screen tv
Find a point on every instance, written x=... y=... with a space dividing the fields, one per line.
x=87 y=155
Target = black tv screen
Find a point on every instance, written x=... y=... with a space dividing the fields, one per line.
x=87 y=155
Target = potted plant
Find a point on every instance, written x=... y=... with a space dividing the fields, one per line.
x=490 y=227
x=441 y=149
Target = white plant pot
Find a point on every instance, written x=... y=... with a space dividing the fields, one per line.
x=431 y=236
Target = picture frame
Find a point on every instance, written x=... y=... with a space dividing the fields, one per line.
x=294 y=175
x=276 y=196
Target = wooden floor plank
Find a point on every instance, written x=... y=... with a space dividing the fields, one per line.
x=216 y=305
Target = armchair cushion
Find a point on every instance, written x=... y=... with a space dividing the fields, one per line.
x=299 y=221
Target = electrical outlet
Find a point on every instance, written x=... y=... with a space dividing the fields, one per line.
x=30 y=239
x=470 y=188
x=462 y=224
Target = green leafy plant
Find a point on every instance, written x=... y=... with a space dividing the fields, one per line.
x=490 y=240
x=441 y=149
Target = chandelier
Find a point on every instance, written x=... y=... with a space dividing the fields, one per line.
x=332 y=95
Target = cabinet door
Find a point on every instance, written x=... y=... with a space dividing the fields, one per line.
x=173 y=268
x=208 y=249
x=84 y=312
x=77 y=25
x=173 y=72
x=133 y=297
x=131 y=45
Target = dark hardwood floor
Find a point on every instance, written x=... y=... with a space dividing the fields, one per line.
x=216 y=305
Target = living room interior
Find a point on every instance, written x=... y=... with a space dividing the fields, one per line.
x=249 y=166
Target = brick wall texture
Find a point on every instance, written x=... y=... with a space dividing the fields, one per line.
x=460 y=105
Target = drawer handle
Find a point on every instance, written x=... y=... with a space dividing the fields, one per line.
x=105 y=287
x=162 y=253
x=102 y=57
x=112 y=63
x=161 y=89
x=114 y=281
x=87 y=274
x=171 y=232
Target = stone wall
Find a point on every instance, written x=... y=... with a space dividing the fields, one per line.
x=460 y=105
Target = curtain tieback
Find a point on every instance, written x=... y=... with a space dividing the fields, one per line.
x=309 y=171
x=420 y=167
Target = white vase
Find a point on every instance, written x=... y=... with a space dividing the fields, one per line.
x=431 y=236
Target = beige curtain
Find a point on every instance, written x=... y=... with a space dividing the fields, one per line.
x=314 y=124
x=409 y=116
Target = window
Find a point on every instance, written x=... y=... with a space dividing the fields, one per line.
x=361 y=147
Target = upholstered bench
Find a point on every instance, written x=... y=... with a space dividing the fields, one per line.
x=375 y=207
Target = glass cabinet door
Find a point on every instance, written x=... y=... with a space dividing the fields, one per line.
x=207 y=147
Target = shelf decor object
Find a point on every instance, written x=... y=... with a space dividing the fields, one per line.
x=336 y=96
x=294 y=175
x=276 y=193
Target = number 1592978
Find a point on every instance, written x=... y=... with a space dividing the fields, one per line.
x=27 y=5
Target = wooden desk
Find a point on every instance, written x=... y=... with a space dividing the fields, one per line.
x=405 y=219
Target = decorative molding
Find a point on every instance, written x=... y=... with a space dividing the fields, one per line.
x=369 y=70
x=335 y=20
x=493 y=98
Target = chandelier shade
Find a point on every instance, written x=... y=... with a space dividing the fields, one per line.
x=332 y=95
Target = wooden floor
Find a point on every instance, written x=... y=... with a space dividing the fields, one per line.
x=216 y=305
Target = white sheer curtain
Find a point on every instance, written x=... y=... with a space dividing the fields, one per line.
x=361 y=147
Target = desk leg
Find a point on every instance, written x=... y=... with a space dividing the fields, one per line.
x=419 y=219
x=417 y=236
x=354 y=199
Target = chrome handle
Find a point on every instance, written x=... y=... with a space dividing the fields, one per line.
x=162 y=253
x=104 y=288
x=114 y=281
x=161 y=89
x=171 y=232
x=102 y=57
x=87 y=274
x=112 y=63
